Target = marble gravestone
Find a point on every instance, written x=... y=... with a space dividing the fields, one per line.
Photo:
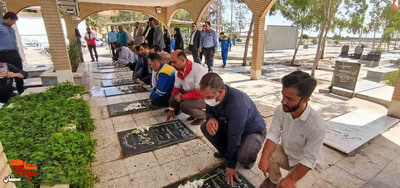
x=158 y=136
x=130 y=107
x=116 y=82
x=216 y=178
x=125 y=69
x=121 y=90
x=350 y=131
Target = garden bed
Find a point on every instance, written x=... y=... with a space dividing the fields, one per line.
x=51 y=130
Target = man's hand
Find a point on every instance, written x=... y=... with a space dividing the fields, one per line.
x=287 y=183
x=212 y=126
x=264 y=165
x=178 y=97
x=170 y=115
x=199 y=50
x=141 y=83
x=11 y=75
x=230 y=174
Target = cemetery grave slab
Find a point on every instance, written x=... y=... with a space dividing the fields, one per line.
x=350 y=131
x=130 y=107
x=216 y=178
x=116 y=82
x=121 y=90
x=158 y=136
x=125 y=69
x=106 y=67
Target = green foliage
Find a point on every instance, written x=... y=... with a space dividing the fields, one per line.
x=390 y=20
x=392 y=78
x=314 y=41
x=124 y=15
x=29 y=128
x=336 y=42
x=96 y=21
x=305 y=36
x=182 y=15
x=74 y=53
x=337 y=37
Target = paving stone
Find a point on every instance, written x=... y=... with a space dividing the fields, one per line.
x=247 y=173
x=103 y=124
x=114 y=100
x=104 y=112
x=152 y=177
x=140 y=162
x=384 y=141
x=195 y=128
x=146 y=122
x=161 y=119
x=143 y=95
x=115 y=183
x=208 y=143
x=256 y=180
x=141 y=115
x=330 y=157
x=97 y=102
x=121 y=119
x=110 y=170
x=393 y=135
x=168 y=154
x=103 y=128
x=95 y=113
x=340 y=178
x=109 y=153
x=194 y=146
x=106 y=139
x=205 y=160
x=388 y=177
x=124 y=126
x=373 y=149
x=179 y=169
x=129 y=97
x=159 y=112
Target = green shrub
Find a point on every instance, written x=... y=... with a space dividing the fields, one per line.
x=314 y=41
x=305 y=36
x=392 y=78
x=336 y=42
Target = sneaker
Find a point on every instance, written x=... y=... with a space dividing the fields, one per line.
x=92 y=61
x=218 y=155
x=197 y=121
x=268 y=184
x=223 y=66
x=190 y=118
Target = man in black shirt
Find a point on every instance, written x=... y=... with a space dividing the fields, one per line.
x=6 y=82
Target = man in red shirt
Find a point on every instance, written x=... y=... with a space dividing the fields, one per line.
x=90 y=38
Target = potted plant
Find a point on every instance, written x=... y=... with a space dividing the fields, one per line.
x=74 y=54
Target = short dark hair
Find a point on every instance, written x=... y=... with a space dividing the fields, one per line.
x=145 y=45
x=131 y=43
x=207 y=22
x=222 y=33
x=155 y=57
x=151 y=19
x=11 y=15
x=137 y=48
x=182 y=55
x=300 y=80
x=212 y=80
x=137 y=23
x=156 y=48
x=117 y=45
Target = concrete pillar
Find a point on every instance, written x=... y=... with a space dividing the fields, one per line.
x=258 y=47
x=70 y=27
x=55 y=35
x=19 y=44
x=394 y=107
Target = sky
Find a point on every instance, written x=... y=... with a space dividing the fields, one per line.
x=35 y=26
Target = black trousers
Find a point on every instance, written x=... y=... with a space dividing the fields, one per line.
x=195 y=54
x=91 y=49
x=112 y=50
x=209 y=58
x=250 y=144
x=161 y=101
x=12 y=57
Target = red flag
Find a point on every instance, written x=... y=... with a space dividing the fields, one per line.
x=395 y=4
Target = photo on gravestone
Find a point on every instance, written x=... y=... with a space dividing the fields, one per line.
x=130 y=107
x=214 y=178
x=117 y=82
x=136 y=141
x=121 y=90
x=3 y=70
x=345 y=75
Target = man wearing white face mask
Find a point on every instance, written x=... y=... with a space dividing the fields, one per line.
x=234 y=125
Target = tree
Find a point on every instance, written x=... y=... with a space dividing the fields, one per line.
x=390 y=20
x=375 y=20
x=300 y=13
x=96 y=21
x=241 y=10
x=124 y=15
x=182 y=15
x=246 y=48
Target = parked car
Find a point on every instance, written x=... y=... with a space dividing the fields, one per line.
x=98 y=42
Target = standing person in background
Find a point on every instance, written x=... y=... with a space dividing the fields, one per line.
x=122 y=37
x=112 y=38
x=158 y=37
x=167 y=41
x=90 y=38
x=172 y=42
x=209 y=45
x=8 y=46
x=129 y=33
x=146 y=30
x=194 y=43
x=178 y=39
x=137 y=35
x=150 y=34
x=203 y=28
x=226 y=46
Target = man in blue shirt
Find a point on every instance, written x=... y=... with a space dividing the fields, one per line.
x=122 y=36
x=225 y=47
x=8 y=46
x=234 y=126
x=209 y=45
x=112 y=38
x=165 y=81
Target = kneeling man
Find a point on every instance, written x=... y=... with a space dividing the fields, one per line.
x=301 y=132
x=165 y=76
x=234 y=125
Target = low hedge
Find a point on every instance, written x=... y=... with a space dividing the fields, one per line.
x=36 y=128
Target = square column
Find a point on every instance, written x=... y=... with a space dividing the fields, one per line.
x=258 y=47
x=55 y=35
x=394 y=107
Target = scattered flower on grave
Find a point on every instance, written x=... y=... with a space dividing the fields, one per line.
x=198 y=183
x=134 y=106
x=141 y=129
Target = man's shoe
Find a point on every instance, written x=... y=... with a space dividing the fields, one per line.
x=92 y=61
x=190 y=118
x=197 y=121
x=177 y=112
x=218 y=155
x=268 y=184
x=97 y=60
x=166 y=110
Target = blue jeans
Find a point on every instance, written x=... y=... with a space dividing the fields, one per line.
x=224 y=54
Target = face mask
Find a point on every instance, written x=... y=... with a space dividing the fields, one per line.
x=211 y=102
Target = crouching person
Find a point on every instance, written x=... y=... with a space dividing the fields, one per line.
x=300 y=130
x=234 y=126
x=7 y=75
x=165 y=75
